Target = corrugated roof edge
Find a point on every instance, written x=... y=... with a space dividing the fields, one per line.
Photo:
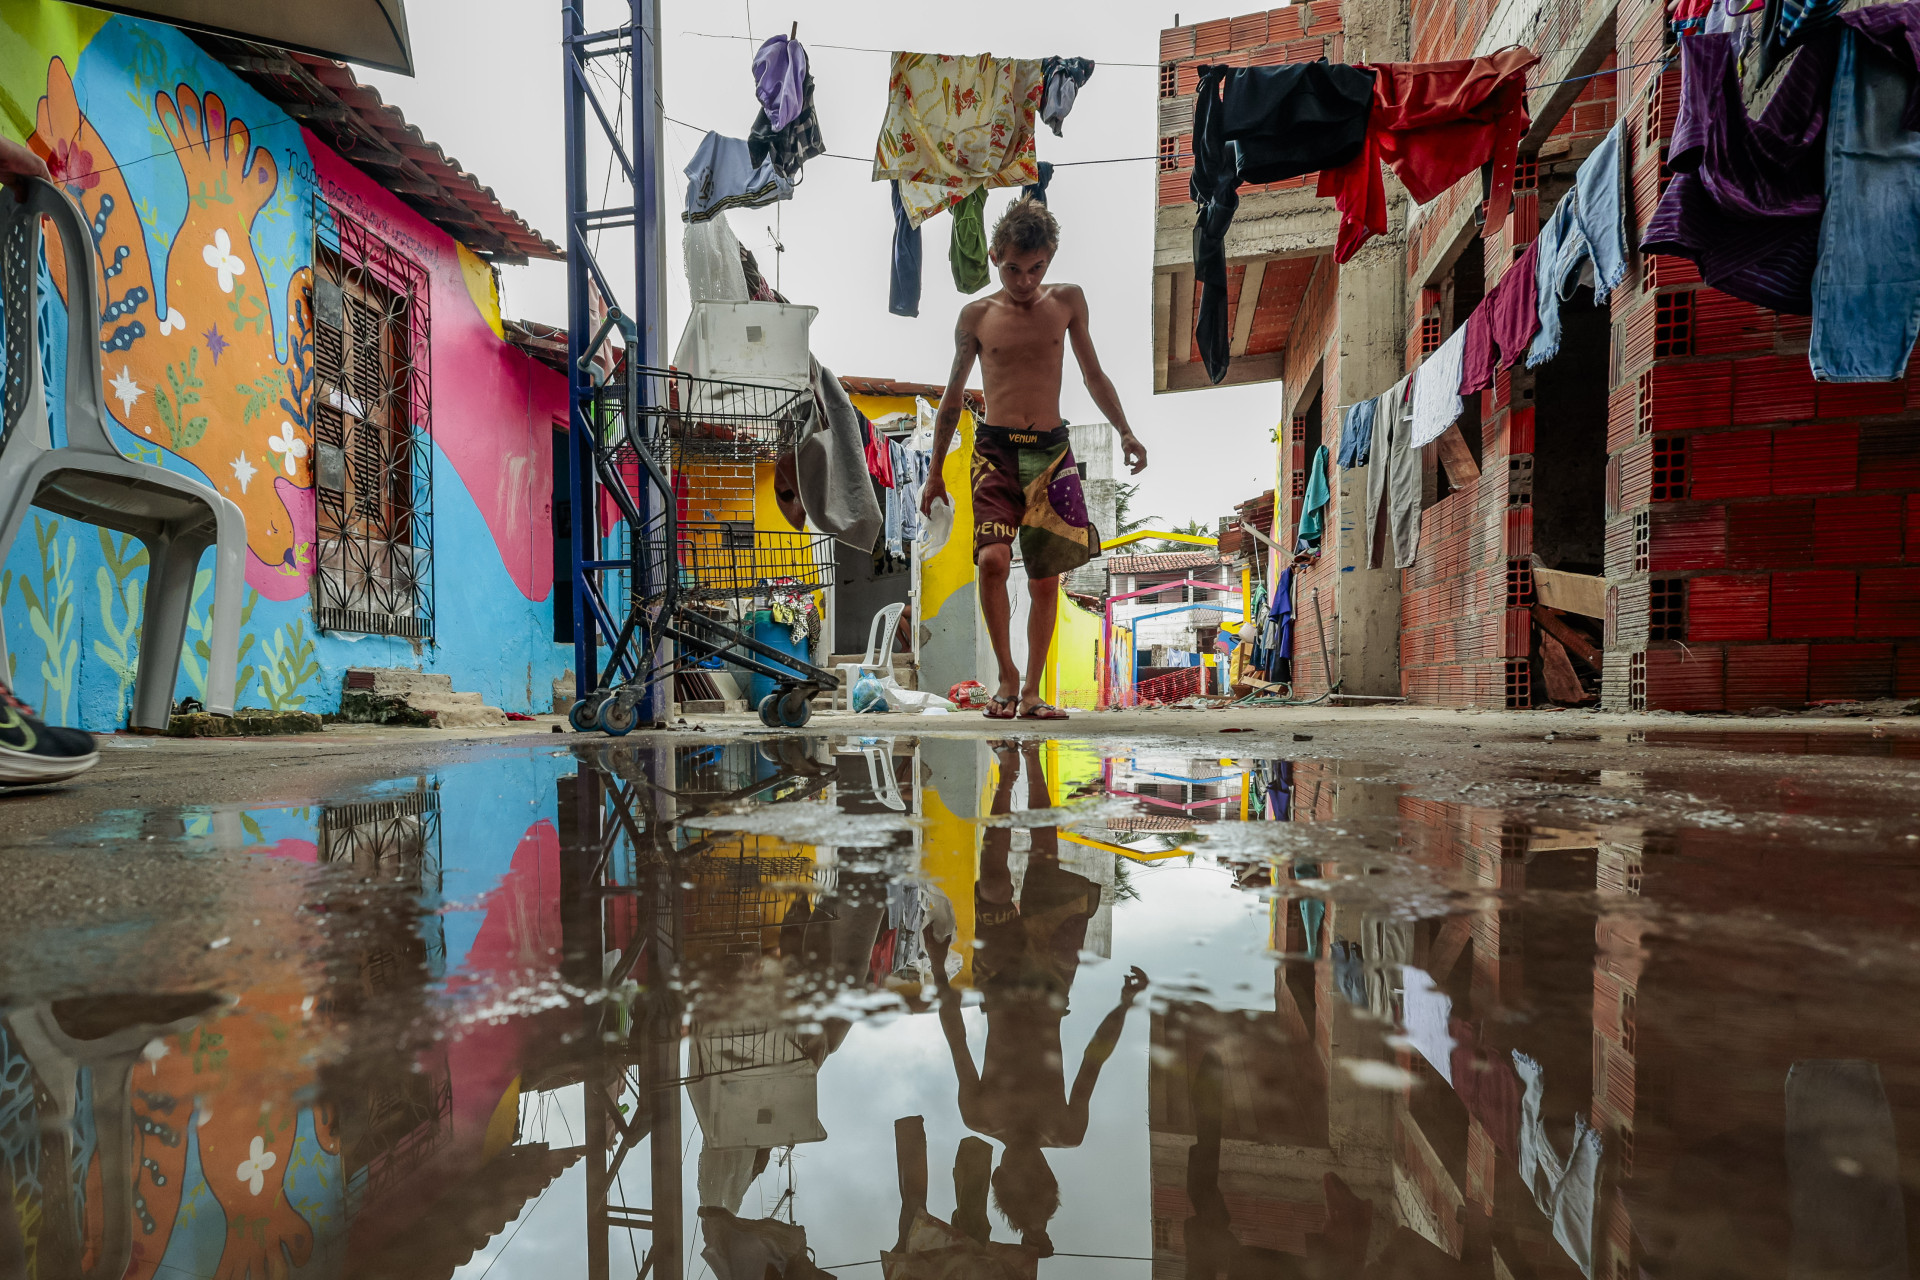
x=375 y=137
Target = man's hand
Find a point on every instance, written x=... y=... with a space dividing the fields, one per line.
x=17 y=164
x=1133 y=452
x=936 y=487
x=1133 y=984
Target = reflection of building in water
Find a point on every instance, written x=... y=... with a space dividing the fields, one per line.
x=1441 y=1161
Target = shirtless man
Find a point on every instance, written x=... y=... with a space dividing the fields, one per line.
x=1025 y=481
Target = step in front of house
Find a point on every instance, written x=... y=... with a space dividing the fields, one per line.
x=423 y=699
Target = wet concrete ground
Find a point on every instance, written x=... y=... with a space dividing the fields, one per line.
x=1348 y=994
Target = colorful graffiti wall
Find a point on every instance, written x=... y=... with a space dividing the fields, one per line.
x=205 y=200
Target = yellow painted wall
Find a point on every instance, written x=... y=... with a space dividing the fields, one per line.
x=1072 y=677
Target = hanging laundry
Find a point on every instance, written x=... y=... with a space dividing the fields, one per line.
x=1436 y=391
x=758 y=290
x=711 y=255
x=724 y=175
x=780 y=79
x=1270 y=123
x=1280 y=652
x=1038 y=190
x=1313 y=508
x=1433 y=123
x=1296 y=119
x=1356 y=434
x=967 y=246
x=1601 y=211
x=1785 y=24
x=879 y=457
x=1746 y=196
x=789 y=147
x=1866 y=288
x=1393 y=482
x=1063 y=77
x=1215 y=188
x=957 y=124
x=1560 y=256
x=830 y=471
x=903 y=295
x=1502 y=326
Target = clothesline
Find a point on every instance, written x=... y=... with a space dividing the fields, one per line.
x=858 y=48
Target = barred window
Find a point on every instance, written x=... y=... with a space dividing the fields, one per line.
x=372 y=426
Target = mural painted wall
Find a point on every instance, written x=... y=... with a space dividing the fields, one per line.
x=203 y=196
x=245 y=1158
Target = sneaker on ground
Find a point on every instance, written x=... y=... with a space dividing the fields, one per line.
x=33 y=751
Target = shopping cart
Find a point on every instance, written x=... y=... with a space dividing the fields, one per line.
x=688 y=587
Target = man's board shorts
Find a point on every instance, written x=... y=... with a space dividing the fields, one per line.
x=1026 y=482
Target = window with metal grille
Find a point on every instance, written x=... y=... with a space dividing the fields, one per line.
x=1169 y=154
x=372 y=424
x=1669 y=468
x=1169 y=80
x=1667 y=610
x=1673 y=324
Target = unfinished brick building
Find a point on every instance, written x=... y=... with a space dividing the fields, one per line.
x=1758 y=533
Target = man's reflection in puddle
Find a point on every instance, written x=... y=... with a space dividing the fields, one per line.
x=1027 y=953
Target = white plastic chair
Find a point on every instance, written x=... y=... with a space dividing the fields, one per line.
x=886 y=788
x=89 y=480
x=879 y=654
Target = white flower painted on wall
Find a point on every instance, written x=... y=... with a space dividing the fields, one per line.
x=174 y=320
x=289 y=446
x=219 y=255
x=253 y=1170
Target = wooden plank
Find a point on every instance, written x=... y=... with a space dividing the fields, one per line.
x=1580 y=593
x=1576 y=644
x=1248 y=304
x=1457 y=458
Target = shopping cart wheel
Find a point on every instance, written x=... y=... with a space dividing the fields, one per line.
x=796 y=708
x=583 y=715
x=770 y=711
x=618 y=716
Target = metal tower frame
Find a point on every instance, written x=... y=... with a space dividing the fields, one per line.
x=632 y=131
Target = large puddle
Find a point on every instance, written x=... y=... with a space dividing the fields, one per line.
x=898 y=1008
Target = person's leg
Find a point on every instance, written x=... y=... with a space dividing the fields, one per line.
x=995 y=606
x=1044 y=604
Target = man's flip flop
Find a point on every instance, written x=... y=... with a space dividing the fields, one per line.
x=1002 y=708
x=1042 y=711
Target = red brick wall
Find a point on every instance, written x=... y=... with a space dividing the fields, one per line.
x=1764 y=529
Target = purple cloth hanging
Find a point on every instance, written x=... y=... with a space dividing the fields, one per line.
x=780 y=79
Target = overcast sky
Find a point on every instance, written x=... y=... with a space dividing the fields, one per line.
x=488 y=90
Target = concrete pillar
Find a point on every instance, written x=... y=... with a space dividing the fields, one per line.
x=1369 y=337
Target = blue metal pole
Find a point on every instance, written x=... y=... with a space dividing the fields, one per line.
x=580 y=428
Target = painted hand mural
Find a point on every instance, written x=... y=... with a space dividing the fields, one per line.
x=191 y=358
x=240 y=1083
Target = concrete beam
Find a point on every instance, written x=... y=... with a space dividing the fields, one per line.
x=1192 y=376
x=1178 y=338
x=1162 y=325
x=1269 y=224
